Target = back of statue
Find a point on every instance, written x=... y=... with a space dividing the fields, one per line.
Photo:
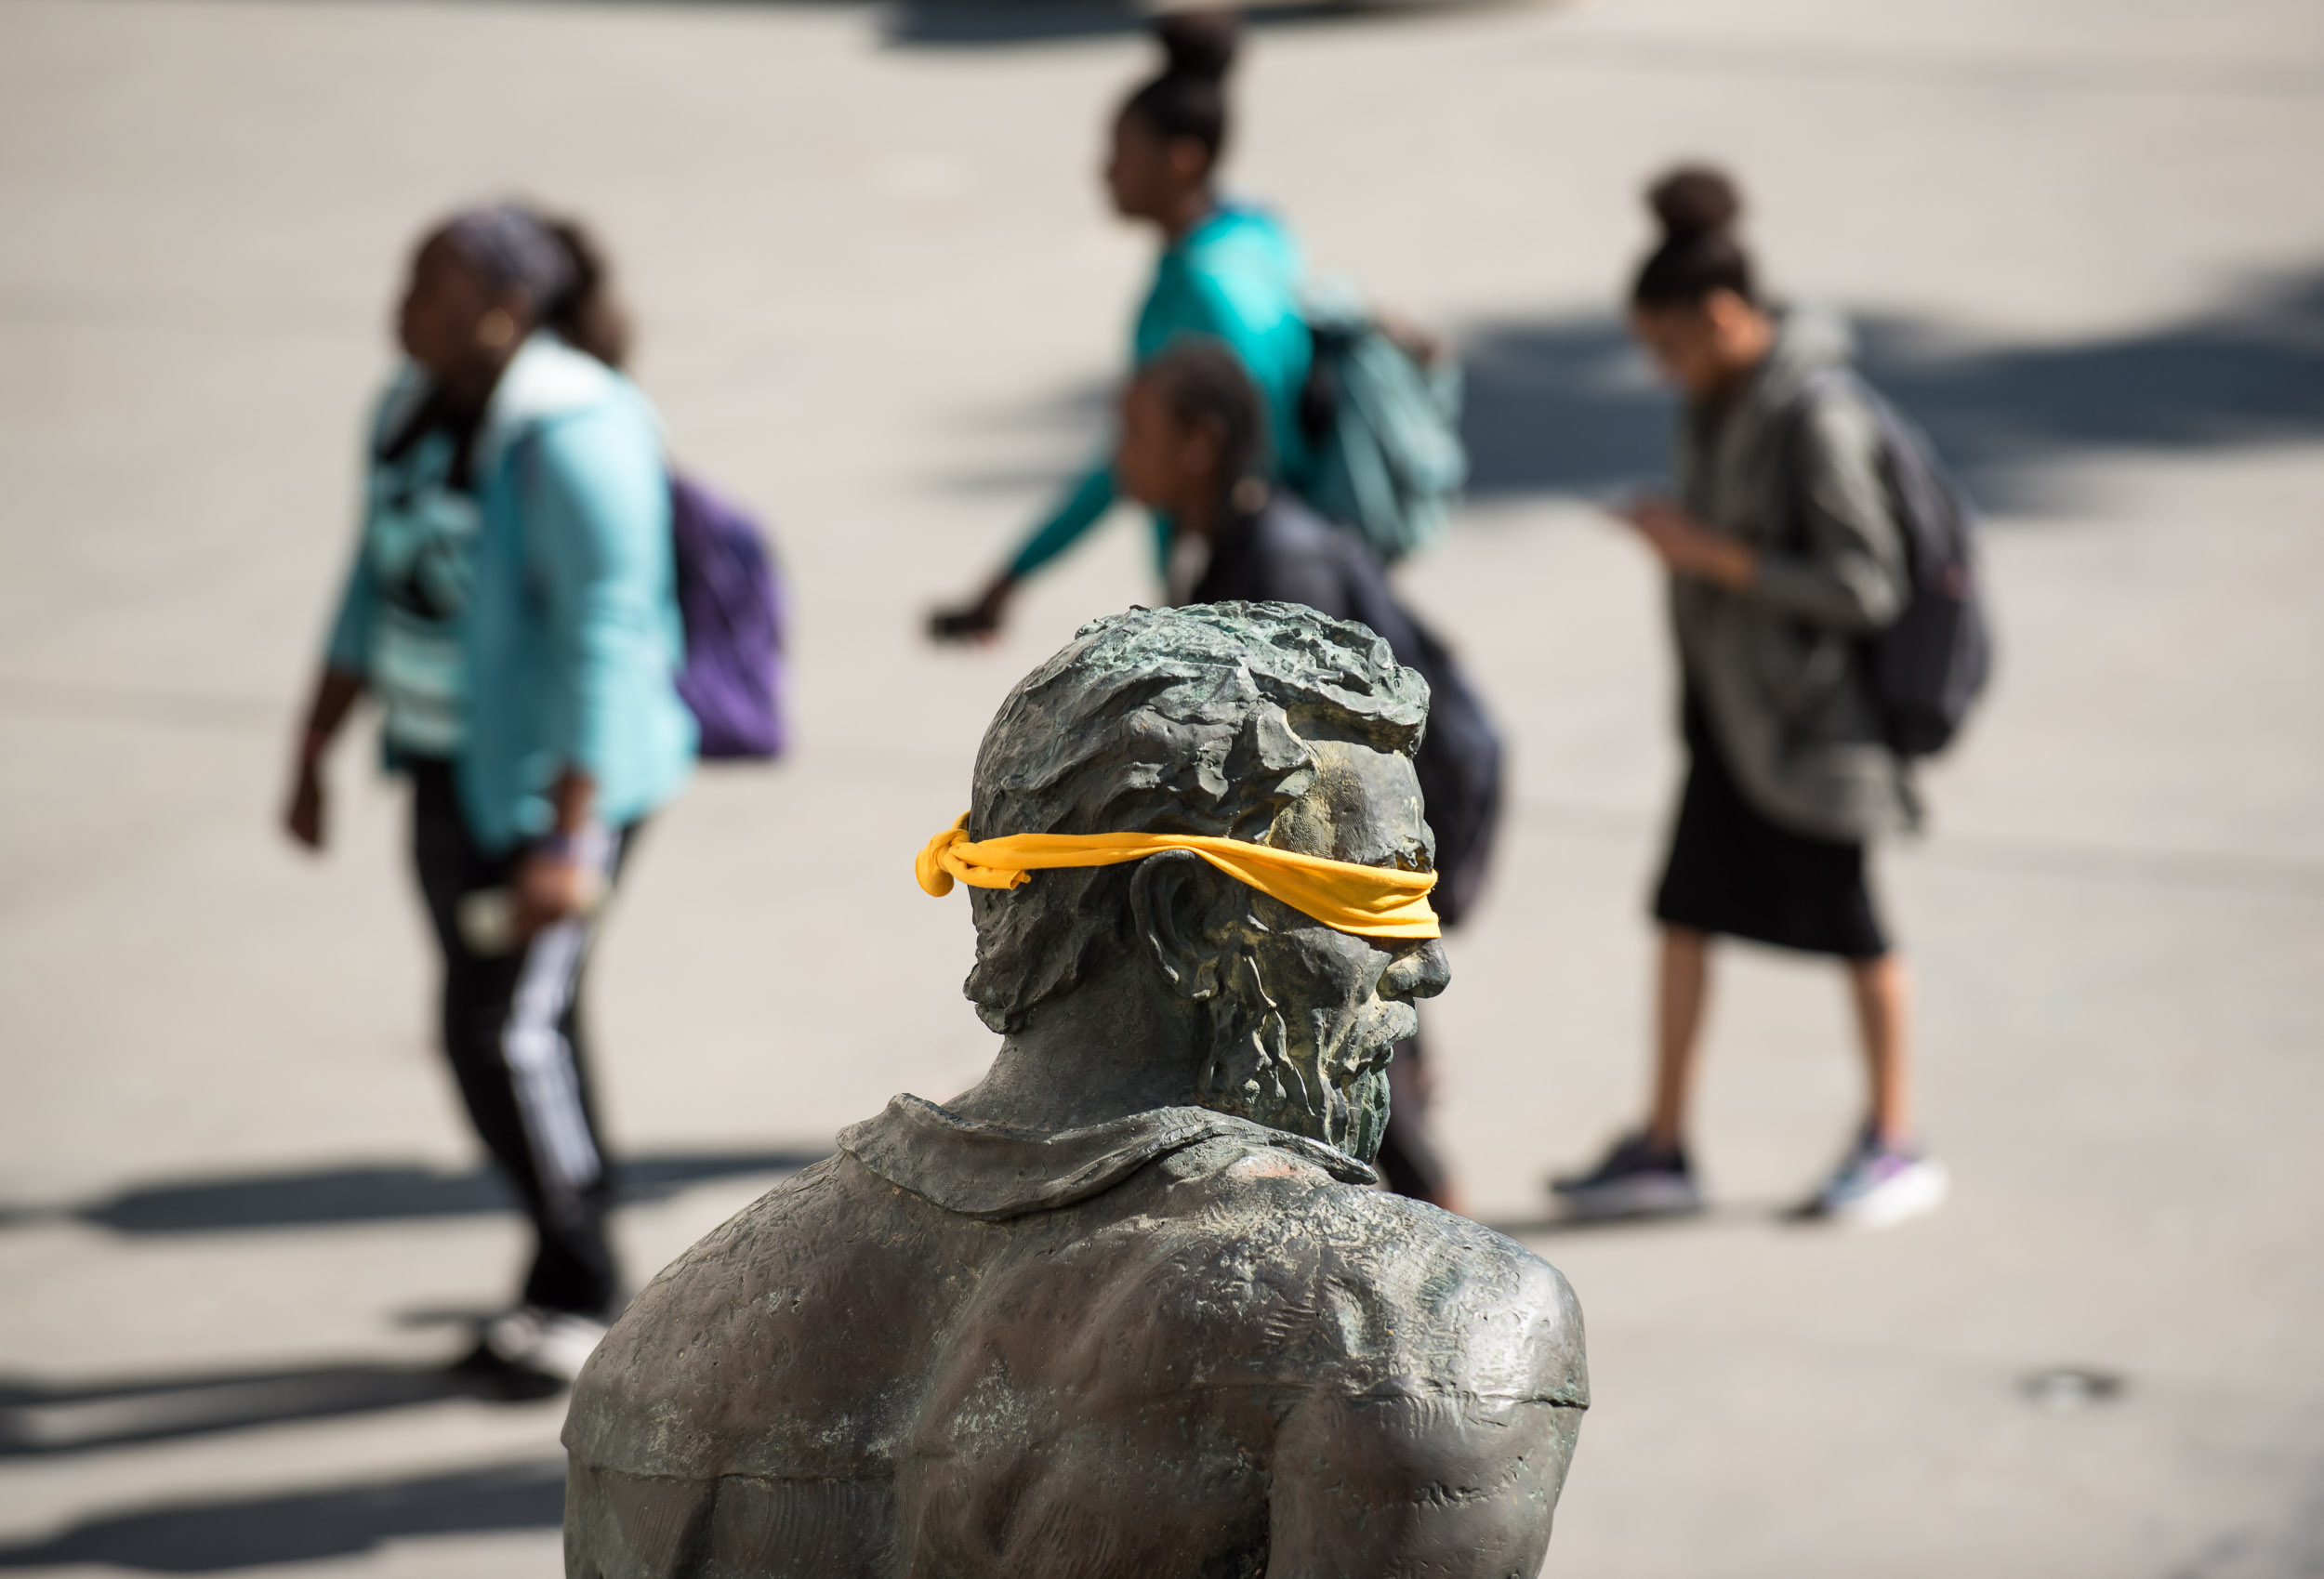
x=1129 y=1306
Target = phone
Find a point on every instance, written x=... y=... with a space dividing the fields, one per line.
x=960 y=624
x=487 y=918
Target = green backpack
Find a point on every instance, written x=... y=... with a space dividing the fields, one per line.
x=1384 y=430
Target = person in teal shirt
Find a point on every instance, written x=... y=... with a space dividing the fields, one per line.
x=511 y=603
x=1227 y=272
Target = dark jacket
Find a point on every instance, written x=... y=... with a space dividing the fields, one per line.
x=1287 y=554
x=1791 y=464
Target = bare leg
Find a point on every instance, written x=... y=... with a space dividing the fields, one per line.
x=1883 y=991
x=1683 y=986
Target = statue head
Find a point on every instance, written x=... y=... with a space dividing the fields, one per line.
x=1264 y=722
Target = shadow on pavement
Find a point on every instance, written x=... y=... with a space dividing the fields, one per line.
x=953 y=24
x=1564 y=404
x=245 y=1532
x=380 y=1194
x=1730 y=1214
x=43 y=1419
x=973 y=23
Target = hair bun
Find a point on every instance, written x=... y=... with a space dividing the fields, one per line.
x=1197 y=44
x=1695 y=199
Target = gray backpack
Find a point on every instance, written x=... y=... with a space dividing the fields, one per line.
x=1384 y=431
x=1928 y=667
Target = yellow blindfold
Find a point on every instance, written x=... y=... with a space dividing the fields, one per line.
x=1371 y=901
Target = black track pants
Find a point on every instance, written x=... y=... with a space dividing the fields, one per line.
x=512 y=1031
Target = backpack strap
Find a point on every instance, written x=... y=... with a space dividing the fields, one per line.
x=1792 y=436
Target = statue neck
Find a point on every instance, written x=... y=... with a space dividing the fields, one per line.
x=1097 y=1054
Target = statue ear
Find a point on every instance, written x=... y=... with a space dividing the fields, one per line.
x=1174 y=900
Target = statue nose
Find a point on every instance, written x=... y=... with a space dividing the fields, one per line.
x=1421 y=972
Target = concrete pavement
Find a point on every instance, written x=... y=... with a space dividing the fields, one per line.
x=880 y=300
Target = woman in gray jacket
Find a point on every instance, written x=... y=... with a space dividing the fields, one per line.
x=1785 y=553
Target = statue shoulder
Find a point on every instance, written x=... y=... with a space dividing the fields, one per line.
x=1512 y=1316
x=1466 y=1371
x=1400 y=1288
x=682 y=1383
x=1454 y=1302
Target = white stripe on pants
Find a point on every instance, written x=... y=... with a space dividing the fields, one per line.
x=540 y=1061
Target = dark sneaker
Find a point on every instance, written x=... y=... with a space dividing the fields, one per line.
x=483 y=1374
x=1879 y=1185
x=1634 y=1180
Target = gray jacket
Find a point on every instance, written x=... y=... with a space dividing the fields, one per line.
x=1778 y=668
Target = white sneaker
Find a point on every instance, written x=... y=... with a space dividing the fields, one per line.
x=1879 y=1185
x=548 y=1343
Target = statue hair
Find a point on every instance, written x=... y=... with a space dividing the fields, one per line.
x=1195 y=720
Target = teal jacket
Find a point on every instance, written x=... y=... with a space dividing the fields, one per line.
x=1236 y=276
x=398 y=623
x=570 y=638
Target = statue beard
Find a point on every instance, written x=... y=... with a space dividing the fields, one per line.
x=1327 y=1080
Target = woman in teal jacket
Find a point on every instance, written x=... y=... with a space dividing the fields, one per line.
x=511 y=603
x=1227 y=273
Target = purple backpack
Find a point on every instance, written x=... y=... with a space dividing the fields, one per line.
x=731 y=604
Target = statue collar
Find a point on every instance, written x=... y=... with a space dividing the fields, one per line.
x=993 y=1171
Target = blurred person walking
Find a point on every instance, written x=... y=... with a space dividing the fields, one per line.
x=1786 y=554
x=1192 y=443
x=1226 y=271
x=510 y=605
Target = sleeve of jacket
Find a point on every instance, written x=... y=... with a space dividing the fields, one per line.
x=1851 y=577
x=349 y=646
x=597 y=552
x=1074 y=514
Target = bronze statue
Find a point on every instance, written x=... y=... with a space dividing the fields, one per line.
x=1128 y=1308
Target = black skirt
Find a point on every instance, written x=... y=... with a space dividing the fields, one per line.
x=1733 y=873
